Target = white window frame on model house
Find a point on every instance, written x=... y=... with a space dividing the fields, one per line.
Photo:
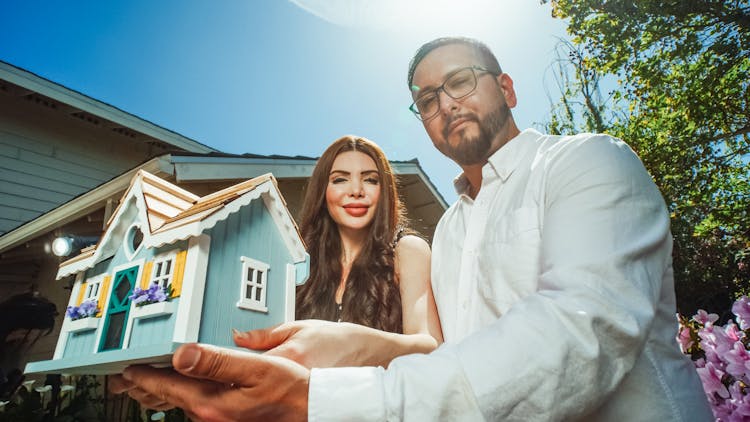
x=160 y=262
x=93 y=288
x=254 y=285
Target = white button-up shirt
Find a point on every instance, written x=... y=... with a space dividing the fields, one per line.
x=556 y=298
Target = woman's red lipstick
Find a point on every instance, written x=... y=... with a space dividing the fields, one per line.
x=356 y=210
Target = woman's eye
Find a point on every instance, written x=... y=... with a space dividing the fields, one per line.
x=372 y=180
x=338 y=180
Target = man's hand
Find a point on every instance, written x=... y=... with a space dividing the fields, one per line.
x=214 y=384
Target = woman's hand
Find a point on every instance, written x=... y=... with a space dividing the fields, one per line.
x=322 y=344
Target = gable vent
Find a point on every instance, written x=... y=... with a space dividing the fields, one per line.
x=43 y=101
x=124 y=132
x=86 y=117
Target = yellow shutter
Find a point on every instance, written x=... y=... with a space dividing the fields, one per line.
x=146 y=276
x=80 y=293
x=103 y=292
x=179 y=272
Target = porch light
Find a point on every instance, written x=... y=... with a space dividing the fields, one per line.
x=65 y=245
x=62 y=246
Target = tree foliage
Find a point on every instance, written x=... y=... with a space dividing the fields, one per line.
x=680 y=72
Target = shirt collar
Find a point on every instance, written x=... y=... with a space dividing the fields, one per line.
x=502 y=163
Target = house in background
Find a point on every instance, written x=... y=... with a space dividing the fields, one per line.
x=231 y=259
x=66 y=159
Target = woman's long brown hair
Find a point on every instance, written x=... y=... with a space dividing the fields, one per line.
x=372 y=295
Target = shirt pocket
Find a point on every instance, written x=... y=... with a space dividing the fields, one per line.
x=509 y=266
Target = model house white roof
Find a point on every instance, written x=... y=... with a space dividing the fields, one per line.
x=168 y=214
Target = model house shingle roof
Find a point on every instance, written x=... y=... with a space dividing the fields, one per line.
x=175 y=214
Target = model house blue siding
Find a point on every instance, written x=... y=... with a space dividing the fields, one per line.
x=154 y=330
x=251 y=233
x=80 y=344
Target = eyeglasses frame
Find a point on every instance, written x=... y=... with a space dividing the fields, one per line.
x=436 y=92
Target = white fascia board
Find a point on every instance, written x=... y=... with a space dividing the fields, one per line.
x=81 y=205
x=194 y=168
x=415 y=168
x=405 y=167
x=216 y=168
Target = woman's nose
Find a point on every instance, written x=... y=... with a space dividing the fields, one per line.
x=357 y=189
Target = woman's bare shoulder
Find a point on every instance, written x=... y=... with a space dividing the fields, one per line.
x=411 y=246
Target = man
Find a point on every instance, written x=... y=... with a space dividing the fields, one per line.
x=552 y=275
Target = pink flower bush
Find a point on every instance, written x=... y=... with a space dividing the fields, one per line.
x=721 y=358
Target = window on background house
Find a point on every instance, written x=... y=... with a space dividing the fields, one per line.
x=162 y=270
x=254 y=285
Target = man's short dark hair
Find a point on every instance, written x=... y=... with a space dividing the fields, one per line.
x=489 y=60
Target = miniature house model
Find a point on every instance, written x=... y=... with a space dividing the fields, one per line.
x=174 y=268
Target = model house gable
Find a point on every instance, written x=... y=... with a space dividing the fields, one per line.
x=147 y=203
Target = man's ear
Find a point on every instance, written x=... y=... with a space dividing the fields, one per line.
x=506 y=85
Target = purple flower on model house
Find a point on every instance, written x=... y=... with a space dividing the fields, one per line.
x=154 y=293
x=86 y=309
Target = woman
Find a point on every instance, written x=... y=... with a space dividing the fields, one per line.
x=364 y=268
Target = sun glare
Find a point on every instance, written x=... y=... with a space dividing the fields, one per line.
x=419 y=17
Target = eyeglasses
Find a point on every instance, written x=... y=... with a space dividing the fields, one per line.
x=457 y=85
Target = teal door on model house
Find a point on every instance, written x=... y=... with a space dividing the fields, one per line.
x=118 y=309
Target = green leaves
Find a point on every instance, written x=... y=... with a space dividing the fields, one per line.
x=682 y=102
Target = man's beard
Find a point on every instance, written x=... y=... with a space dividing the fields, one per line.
x=478 y=149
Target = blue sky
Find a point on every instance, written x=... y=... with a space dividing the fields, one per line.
x=276 y=76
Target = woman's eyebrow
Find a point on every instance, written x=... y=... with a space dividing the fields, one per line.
x=339 y=171
x=347 y=173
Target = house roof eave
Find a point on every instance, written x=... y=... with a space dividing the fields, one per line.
x=81 y=205
x=77 y=100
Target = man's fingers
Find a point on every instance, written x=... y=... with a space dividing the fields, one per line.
x=158 y=386
x=148 y=400
x=117 y=384
x=230 y=367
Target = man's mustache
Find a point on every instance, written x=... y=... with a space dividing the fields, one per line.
x=451 y=119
